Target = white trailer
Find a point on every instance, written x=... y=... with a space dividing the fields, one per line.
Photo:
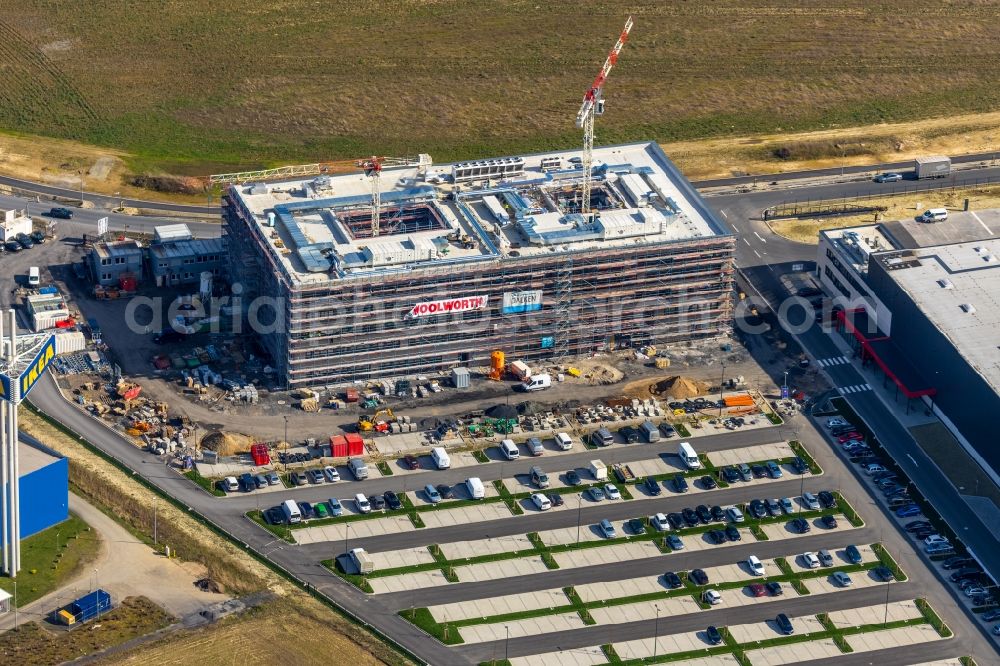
x=937 y=166
x=362 y=561
x=599 y=470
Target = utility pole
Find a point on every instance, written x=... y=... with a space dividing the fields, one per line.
x=722 y=382
x=156 y=505
x=656 y=632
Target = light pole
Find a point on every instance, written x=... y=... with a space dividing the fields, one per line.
x=15 y=605
x=722 y=381
x=347 y=531
x=95 y=579
x=156 y=505
x=284 y=444
x=579 y=514
x=79 y=172
x=506 y=643
x=656 y=632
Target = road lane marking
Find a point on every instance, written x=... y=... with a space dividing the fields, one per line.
x=757 y=253
x=915 y=464
x=760 y=237
x=724 y=214
x=981 y=223
x=747 y=242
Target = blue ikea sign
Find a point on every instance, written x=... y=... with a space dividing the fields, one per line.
x=37 y=368
x=5 y=387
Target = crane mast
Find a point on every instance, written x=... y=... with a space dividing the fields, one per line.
x=593 y=105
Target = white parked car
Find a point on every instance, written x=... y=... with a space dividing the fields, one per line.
x=835 y=422
x=711 y=597
x=660 y=522
x=541 y=502
x=612 y=492
x=935 y=538
x=810 y=560
x=331 y=474
x=810 y=501
x=364 y=506
x=756 y=566
x=564 y=441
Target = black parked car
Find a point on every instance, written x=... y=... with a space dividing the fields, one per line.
x=708 y=482
x=676 y=520
x=713 y=635
x=800 y=525
x=37 y=237
x=704 y=513
x=651 y=485
x=732 y=533
x=12 y=246
x=829 y=522
x=679 y=483
x=774 y=588
x=757 y=508
x=306 y=509
x=556 y=499
x=716 y=537
x=718 y=514
x=698 y=577
x=630 y=434
x=827 y=499
x=635 y=525
x=446 y=491
x=956 y=562
x=730 y=474
x=690 y=517
x=24 y=241
x=799 y=465
x=672 y=580
x=377 y=502
x=758 y=471
x=883 y=574
x=392 y=500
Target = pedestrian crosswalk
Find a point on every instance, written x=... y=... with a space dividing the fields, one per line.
x=854 y=388
x=836 y=360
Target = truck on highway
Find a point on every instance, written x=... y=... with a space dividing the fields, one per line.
x=362 y=561
x=937 y=166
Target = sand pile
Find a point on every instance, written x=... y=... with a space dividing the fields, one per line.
x=672 y=388
x=226 y=443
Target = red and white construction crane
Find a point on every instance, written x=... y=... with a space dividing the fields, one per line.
x=373 y=169
x=593 y=105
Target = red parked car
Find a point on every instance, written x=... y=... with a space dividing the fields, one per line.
x=757 y=589
x=851 y=436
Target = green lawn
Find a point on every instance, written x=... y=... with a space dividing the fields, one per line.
x=51 y=557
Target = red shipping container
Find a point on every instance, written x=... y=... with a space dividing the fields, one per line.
x=338 y=446
x=355 y=445
x=351 y=395
x=260 y=454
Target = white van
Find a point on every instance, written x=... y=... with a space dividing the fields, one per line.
x=688 y=456
x=475 y=488
x=935 y=215
x=291 y=511
x=34 y=277
x=440 y=457
x=509 y=449
x=537 y=383
x=564 y=441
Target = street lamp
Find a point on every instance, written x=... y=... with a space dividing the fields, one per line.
x=506 y=643
x=579 y=514
x=722 y=381
x=656 y=632
x=284 y=444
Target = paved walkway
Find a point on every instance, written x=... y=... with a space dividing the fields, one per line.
x=585 y=656
x=124 y=567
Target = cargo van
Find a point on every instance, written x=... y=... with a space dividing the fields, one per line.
x=649 y=432
x=440 y=457
x=537 y=383
x=509 y=449
x=688 y=456
x=291 y=511
x=934 y=215
x=601 y=437
x=475 y=488
x=34 y=277
x=358 y=468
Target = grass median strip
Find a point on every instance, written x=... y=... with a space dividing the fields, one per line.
x=933 y=619
x=207 y=484
x=480 y=456
x=799 y=450
x=886 y=560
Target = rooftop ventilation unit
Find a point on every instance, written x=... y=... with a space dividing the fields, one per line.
x=946 y=283
x=968 y=308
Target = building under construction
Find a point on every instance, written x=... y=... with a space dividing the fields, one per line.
x=452 y=262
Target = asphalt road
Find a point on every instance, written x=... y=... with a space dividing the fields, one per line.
x=103 y=201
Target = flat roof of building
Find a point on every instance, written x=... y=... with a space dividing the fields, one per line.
x=319 y=228
x=960 y=227
x=186 y=248
x=123 y=248
x=957 y=287
x=31 y=458
x=858 y=243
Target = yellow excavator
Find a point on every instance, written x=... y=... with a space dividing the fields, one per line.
x=375 y=422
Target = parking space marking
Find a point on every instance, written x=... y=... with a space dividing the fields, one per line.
x=782 y=530
x=839 y=558
x=792 y=654
x=584 y=656
x=465 y=515
x=745 y=454
x=522 y=566
x=836 y=360
x=894 y=611
x=405 y=557
x=493 y=606
x=645 y=610
x=405 y=582
x=854 y=388
x=859 y=579
x=893 y=638
x=670 y=644
x=354 y=530
x=547 y=624
x=623 y=552
x=762 y=631
x=460 y=550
